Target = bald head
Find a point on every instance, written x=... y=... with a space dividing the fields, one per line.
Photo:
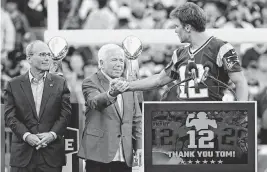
x=35 y=46
x=39 y=55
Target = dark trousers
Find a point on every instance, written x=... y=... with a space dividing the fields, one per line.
x=116 y=166
x=37 y=164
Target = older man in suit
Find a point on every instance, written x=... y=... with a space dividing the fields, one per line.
x=113 y=119
x=37 y=109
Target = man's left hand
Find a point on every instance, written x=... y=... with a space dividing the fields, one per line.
x=45 y=139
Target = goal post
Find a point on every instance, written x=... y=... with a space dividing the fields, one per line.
x=153 y=36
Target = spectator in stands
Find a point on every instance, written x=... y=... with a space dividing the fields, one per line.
x=77 y=63
x=7 y=34
x=215 y=17
x=20 y=22
x=142 y=14
x=35 y=11
x=124 y=18
x=4 y=79
x=235 y=18
x=253 y=54
x=159 y=15
x=101 y=18
x=253 y=88
x=264 y=16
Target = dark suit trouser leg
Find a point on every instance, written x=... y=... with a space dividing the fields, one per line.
x=120 y=167
x=46 y=168
x=93 y=166
x=37 y=164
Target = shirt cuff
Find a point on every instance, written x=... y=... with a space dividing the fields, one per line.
x=25 y=135
x=54 y=134
x=111 y=98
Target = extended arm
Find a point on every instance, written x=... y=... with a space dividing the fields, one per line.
x=93 y=97
x=151 y=82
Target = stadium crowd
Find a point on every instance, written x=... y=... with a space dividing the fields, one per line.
x=17 y=31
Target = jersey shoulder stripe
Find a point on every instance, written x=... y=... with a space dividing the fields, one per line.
x=224 y=48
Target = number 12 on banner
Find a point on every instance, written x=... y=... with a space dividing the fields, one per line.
x=204 y=141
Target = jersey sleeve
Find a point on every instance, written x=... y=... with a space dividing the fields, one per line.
x=170 y=69
x=228 y=58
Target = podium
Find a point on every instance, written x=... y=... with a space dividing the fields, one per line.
x=200 y=136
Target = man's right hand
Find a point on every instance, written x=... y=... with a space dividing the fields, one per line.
x=118 y=86
x=32 y=139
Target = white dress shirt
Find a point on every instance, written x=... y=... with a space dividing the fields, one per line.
x=37 y=91
x=119 y=154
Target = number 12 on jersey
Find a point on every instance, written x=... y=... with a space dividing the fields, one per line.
x=191 y=93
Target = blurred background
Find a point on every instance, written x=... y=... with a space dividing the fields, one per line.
x=25 y=20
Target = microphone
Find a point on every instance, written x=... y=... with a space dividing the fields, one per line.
x=207 y=66
x=164 y=95
x=192 y=67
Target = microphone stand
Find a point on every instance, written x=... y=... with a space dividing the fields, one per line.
x=225 y=85
x=170 y=88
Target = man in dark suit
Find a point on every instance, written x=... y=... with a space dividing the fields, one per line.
x=113 y=119
x=37 y=109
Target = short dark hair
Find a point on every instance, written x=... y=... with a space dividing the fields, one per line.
x=192 y=14
x=102 y=3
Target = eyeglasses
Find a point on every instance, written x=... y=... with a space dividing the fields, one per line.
x=44 y=54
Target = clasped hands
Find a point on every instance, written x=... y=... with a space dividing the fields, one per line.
x=118 y=86
x=40 y=140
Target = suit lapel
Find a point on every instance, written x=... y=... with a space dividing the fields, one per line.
x=26 y=87
x=105 y=85
x=48 y=87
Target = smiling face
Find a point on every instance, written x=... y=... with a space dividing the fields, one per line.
x=39 y=57
x=113 y=62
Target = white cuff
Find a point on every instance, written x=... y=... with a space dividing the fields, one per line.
x=25 y=135
x=54 y=134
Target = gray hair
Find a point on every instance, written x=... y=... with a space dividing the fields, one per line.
x=30 y=46
x=102 y=53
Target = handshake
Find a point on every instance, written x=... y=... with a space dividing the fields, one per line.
x=118 y=86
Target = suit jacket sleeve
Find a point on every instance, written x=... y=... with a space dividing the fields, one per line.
x=137 y=124
x=10 y=114
x=94 y=99
x=61 y=124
